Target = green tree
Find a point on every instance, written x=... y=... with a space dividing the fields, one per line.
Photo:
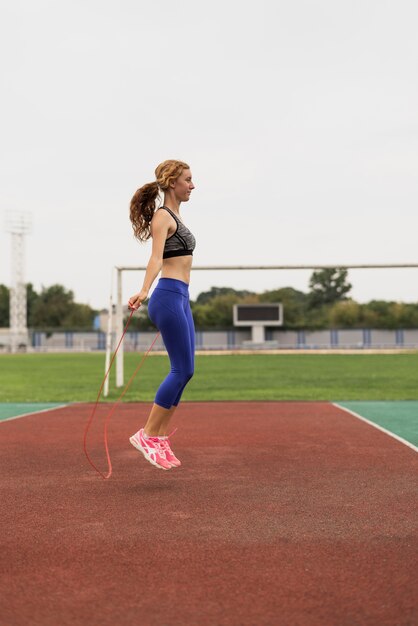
x=376 y=314
x=4 y=306
x=31 y=299
x=55 y=308
x=214 y=292
x=51 y=307
x=295 y=304
x=345 y=314
x=328 y=286
x=405 y=315
x=391 y=315
x=218 y=312
x=79 y=316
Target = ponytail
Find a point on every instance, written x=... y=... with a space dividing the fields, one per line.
x=142 y=210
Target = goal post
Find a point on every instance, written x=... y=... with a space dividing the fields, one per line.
x=129 y=268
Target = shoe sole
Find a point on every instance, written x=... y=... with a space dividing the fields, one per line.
x=174 y=464
x=146 y=456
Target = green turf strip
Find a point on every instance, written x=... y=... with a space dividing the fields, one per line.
x=330 y=377
x=9 y=409
x=400 y=418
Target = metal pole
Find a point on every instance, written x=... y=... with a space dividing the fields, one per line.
x=119 y=329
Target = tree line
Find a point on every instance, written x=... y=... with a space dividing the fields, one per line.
x=52 y=308
x=326 y=305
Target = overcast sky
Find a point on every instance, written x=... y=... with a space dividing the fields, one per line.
x=299 y=119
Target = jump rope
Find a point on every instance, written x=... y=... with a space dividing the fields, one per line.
x=111 y=411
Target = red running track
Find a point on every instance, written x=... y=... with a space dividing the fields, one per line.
x=281 y=514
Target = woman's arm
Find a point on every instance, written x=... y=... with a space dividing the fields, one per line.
x=159 y=230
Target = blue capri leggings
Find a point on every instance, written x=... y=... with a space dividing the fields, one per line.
x=169 y=309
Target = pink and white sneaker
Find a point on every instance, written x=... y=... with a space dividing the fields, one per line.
x=169 y=454
x=152 y=448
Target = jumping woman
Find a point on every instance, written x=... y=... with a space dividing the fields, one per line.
x=169 y=305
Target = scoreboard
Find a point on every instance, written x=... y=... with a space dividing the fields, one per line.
x=265 y=314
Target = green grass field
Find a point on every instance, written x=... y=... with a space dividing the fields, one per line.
x=335 y=377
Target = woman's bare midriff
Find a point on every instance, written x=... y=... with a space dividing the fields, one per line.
x=177 y=267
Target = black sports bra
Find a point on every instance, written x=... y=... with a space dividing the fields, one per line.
x=180 y=243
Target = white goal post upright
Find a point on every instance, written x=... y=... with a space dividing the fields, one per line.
x=109 y=338
x=119 y=327
x=119 y=307
x=118 y=330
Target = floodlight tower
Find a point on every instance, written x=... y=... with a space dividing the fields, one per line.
x=18 y=224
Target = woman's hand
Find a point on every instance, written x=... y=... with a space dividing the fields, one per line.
x=136 y=300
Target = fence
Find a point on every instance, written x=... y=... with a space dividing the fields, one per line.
x=234 y=339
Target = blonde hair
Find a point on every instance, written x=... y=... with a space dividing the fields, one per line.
x=142 y=205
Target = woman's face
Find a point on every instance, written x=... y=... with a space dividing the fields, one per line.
x=183 y=186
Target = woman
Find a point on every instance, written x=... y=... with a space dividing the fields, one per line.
x=168 y=306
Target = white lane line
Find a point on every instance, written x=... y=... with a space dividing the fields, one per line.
x=16 y=417
x=384 y=430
